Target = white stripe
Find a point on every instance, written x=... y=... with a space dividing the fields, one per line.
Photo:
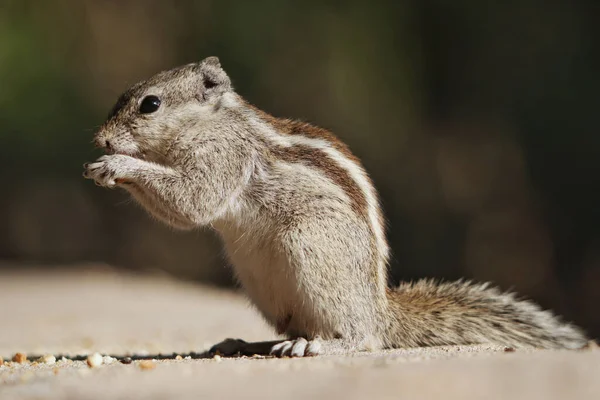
x=356 y=172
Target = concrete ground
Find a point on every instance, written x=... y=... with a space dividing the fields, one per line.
x=92 y=310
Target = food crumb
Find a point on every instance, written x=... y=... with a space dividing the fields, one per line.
x=147 y=364
x=19 y=358
x=217 y=358
x=178 y=357
x=47 y=359
x=108 y=360
x=94 y=360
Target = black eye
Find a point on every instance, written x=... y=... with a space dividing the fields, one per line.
x=149 y=105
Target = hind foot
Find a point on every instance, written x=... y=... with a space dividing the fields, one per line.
x=299 y=347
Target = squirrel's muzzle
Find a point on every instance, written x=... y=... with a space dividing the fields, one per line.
x=116 y=141
x=105 y=140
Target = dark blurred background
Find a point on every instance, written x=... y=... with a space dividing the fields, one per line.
x=477 y=121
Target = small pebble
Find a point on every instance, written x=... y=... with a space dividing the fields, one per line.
x=126 y=360
x=47 y=359
x=94 y=360
x=147 y=364
x=108 y=360
x=19 y=358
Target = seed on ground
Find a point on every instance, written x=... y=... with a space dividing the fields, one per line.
x=147 y=364
x=47 y=359
x=108 y=360
x=94 y=360
x=19 y=358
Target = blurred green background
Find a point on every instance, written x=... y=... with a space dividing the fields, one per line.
x=477 y=121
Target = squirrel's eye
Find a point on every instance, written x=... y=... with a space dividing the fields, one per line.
x=149 y=104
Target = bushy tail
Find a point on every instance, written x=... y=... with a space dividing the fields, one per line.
x=429 y=314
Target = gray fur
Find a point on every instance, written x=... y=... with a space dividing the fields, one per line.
x=300 y=226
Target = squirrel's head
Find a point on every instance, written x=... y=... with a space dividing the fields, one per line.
x=152 y=113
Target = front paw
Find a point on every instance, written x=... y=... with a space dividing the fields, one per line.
x=110 y=170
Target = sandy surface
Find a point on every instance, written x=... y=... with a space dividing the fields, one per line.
x=89 y=311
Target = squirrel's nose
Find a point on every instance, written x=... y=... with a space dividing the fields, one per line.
x=108 y=146
x=103 y=143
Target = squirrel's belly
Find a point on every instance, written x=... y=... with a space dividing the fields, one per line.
x=279 y=291
x=265 y=277
x=272 y=287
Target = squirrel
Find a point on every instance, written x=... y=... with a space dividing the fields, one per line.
x=300 y=220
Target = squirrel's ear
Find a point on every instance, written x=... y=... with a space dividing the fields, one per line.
x=214 y=78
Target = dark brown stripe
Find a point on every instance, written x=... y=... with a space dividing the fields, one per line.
x=317 y=158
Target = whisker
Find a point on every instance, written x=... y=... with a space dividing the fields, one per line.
x=124 y=202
